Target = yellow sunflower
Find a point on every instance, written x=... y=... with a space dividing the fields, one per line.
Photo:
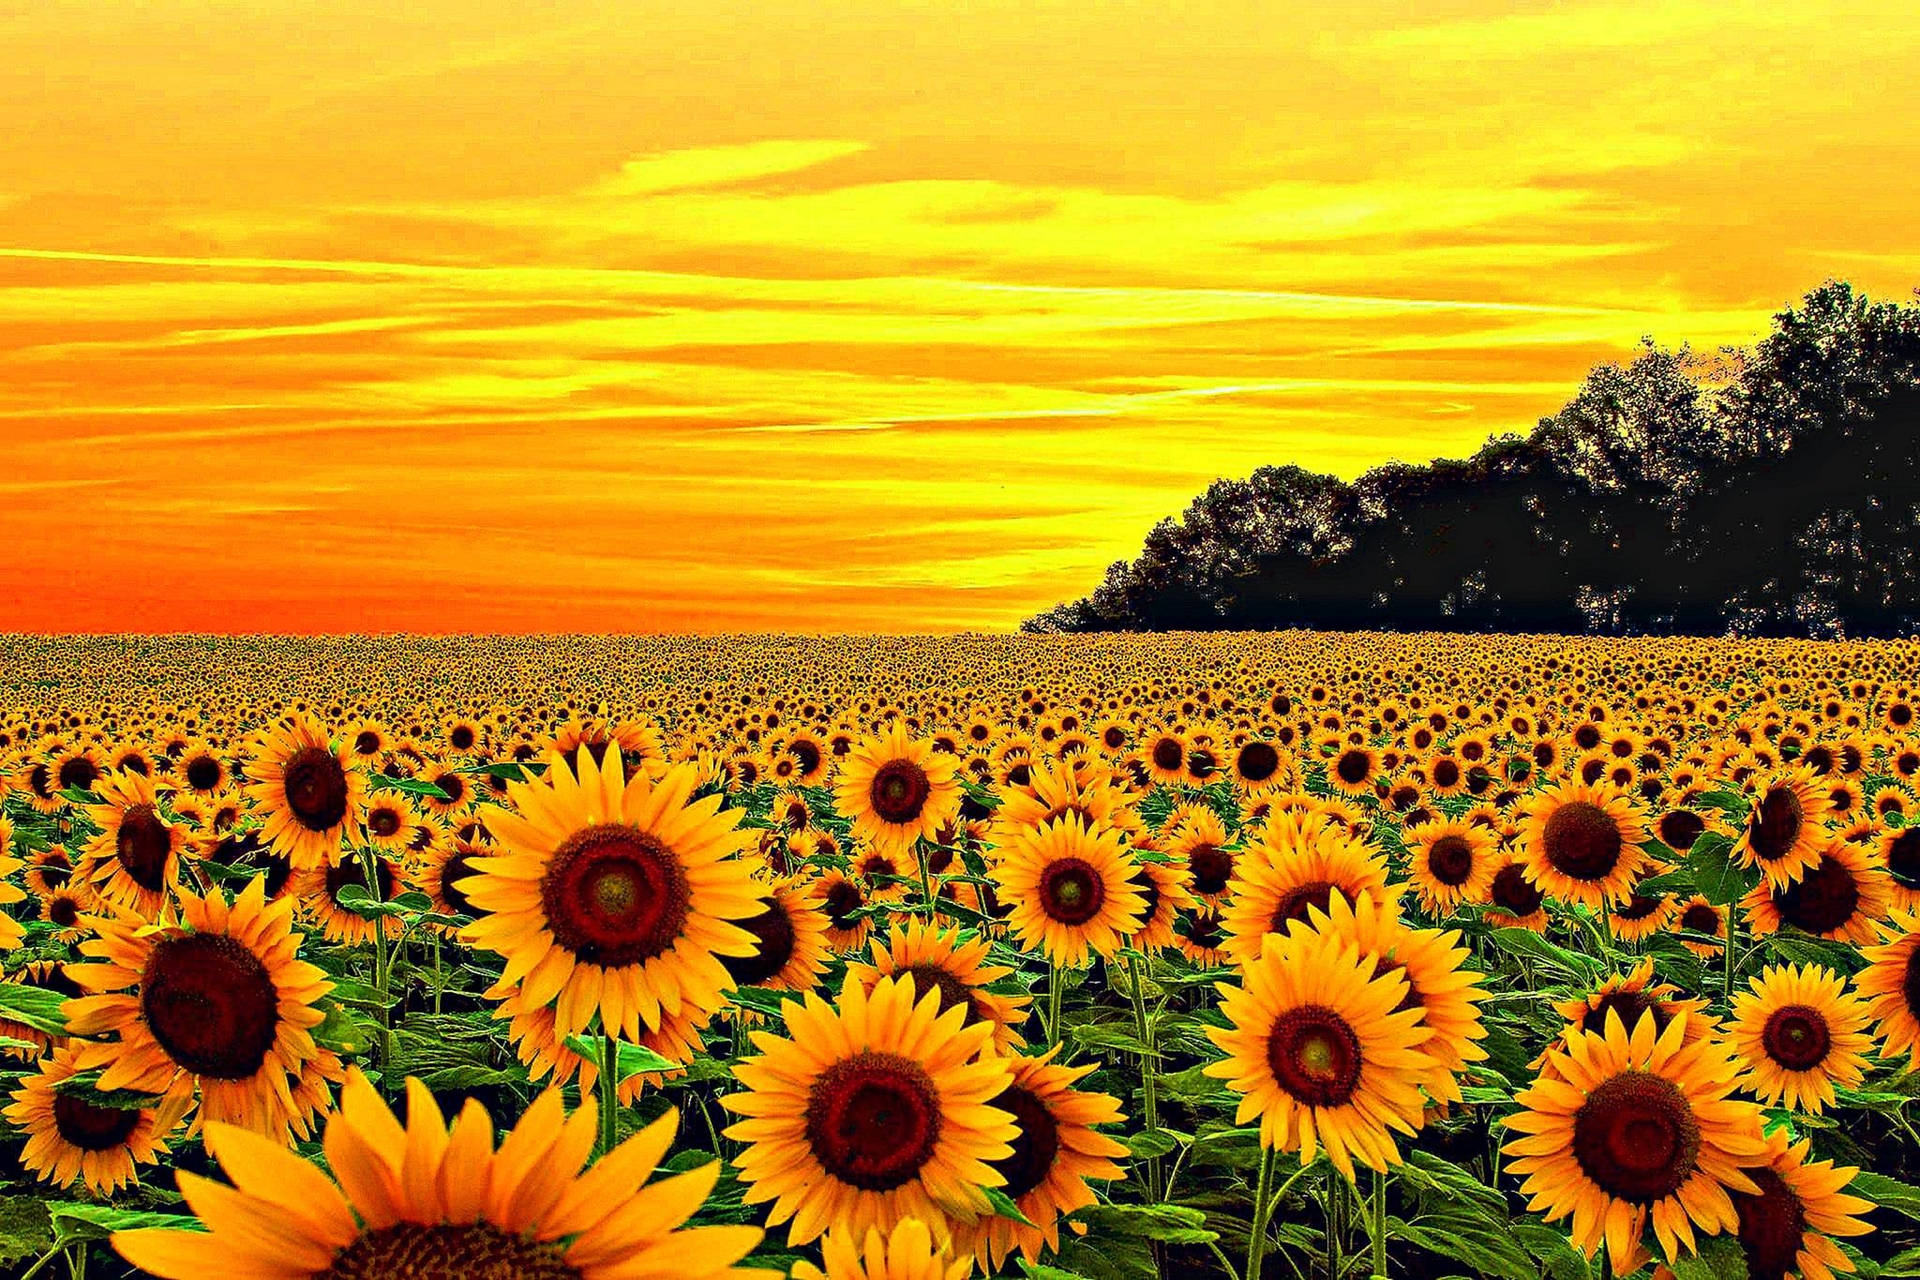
x=1321 y=1051
x=895 y=790
x=1056 y=1151
x=1302 y=861
x=1783 y=835
x=873 y=1112
x=1163 y=887
x=1798 y=1034
x=1071 y=889
x=1583 y=844
x=1890 y=984
x=612 y=896
x=1200 y=841
x=790 y=939
x=210 y=997
x=1841 y=896
x=1451 y=862
x=70 y=1139
x=1626 y=1128
x=939 y=960
x=909 y=1252
x=1629 y=995
x=432 y=1199
x=309 y=794
x=135 y=860
x=1786 y=1229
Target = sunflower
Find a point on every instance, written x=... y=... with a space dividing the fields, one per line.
x=1783 y=835
x=872 y=1112
x=1354 y=770
x=1163 y=757
x=443 y=873
x=11 y=932
x=1198 y=936
x=842 y=895
x=896 y=790
x=1054 y=789
x=1259 y=766
x=65 y=909
x=1799 y=1034
x=319 y=888
x=1163 y=888
x=910 y=1252
x=1839 y=897
x=1321 y=1051
x=1700 y=916
x=1890 y=984
x=1200 y=840
x=430 y=1199
x=1302 y=862
x=70 y=1139
x=135 y=860
x=1072 y=891
x=200 y=770
x=1582 y=844
x=1056 y=1151
x=939 y=960
x=1451 y=862
x=311 y=798
x=1621 y=1128
x=212 y=998
x=390 y=821
x=1678 y=827
x=790 y=939
x=1642 y=915
x=1629 y=995
x=1514 y=901
x=1897 y=852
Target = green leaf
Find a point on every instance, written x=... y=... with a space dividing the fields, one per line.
x=35 y=1007
x=26 y=1228
x=359 y=900
x=1109 y=1036
x=632 y=1059
x=86 y=1087
x=1038 y=1271
x=1553 y=1250
x=456 y=1079
x=75 y=1220
x=412 y=786
x=1154 y=1142
x=1888 y=1193
x=1175 y=1224
x=1528 y=943
x=1714 y=872
x=340 y=1031
x=763 y=1000
x=1004 y=1207
x=1720 y=1258
x=79 y=795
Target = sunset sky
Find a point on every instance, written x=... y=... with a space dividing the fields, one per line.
x=478 y=315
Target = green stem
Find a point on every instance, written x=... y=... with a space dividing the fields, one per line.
x=1149 y=1077
x=382 y=969
x=1053 y=1003
x=40 y=1263
x=1378 y=1227
x=926 y=878
x=1733 y=924
x=1336 y=1225
x=1257 y=1237
x=609 y=1091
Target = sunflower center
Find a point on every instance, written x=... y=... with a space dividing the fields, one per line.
x=1638 y=907
x=211 y=1004
x=89 y=1127
x=366 y=742
x=1353 y=767
x=1776 y=824
x=342 y=874
x=1514 y=893
x=1035 y=1148
x=1796 y=1037
x=316 y=788
x=143 y=845
x=931 y=977
x=458 y=867
x=1168 y=755
x=1700 y=918
x=1211 y=866
x=1258 y=762
x=1773 y=1226
x=1679 y=829
x=64 y=912
x=900 y=791
x=807 y=754
x=1582 y=841
x=473 y=1251
x=453 y=785
x=461 y=738
x=1822 y=900
x=773 y=940
x=873 y=1120
x=78 y=772
x=1071 y=891
x=1903 y=857
x=1450 y=860
x=843 y=899
x=615 y=896
x=1446 y=773
x=203 y=773
x=1149 y=896
x=1298 y=901
x=383 y=821
x=1630 y=1004
x=1315 y=1056
x=1201 y=763
x=1636 y=1137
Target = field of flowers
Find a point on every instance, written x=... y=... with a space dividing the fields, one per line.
x=1263 y=956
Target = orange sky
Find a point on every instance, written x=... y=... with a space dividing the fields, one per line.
x=827 y=317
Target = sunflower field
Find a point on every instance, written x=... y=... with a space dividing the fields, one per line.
x=1248 y=957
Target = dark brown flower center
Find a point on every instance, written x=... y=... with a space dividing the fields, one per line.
x=1211 y=867
x=64 y=911
x=1298 y=902
x=1582 y=841
x=843 y=898
x=143 y=847
x=1772 y=1227
x=78 y=772
x=1201 y=763
x=461 y=738
x=1352 y=767
x=1701 y=917
x=773 y=939
x=1258 y=761
x=1450 y=860
x=1037 y=1145
x=1315 y=1056
x=1071 y=891
x=1630 y=1004
x=383 y=821
x=807 y=754
x=1776 y=824
x=458 y=867
x=1821 y=900
x=873 y=1120
x=1446 y=773
x=900 y=791
x=1680 y=828
x=366 y=742
x=473 y=1251
x=1514 y=893
x=1903 y=857
x=615 y=896
x=1796 y=1037
x=203 y=773
x=1168 y=756
x=211 y=1004
x=1636 y=1137
x=316 y=788
x=92 y=1128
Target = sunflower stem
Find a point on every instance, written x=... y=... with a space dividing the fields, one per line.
x=609 y=1090
x=382 y=969
x=1377 y=1227
x=1732 y=926
x=1257 y=1236
x=1149 y=1083
x=40 y=1263
x=926 y=878
x=1053 y=1003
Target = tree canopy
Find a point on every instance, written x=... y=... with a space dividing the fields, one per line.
x=1770 y=491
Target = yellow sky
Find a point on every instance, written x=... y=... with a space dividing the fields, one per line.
x=825 y=317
